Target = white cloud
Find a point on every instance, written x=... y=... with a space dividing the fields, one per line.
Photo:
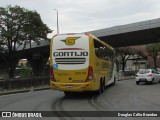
x=87 y=15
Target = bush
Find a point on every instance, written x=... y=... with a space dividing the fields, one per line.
x=26 y=72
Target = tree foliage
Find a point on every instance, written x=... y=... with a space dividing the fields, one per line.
x=139 y=53
x=19 y=27
x=153 y=50
x=124 y=53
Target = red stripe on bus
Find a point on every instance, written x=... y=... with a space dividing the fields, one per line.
x=70 y=49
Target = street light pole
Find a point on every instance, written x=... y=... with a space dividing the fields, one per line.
x=57 y=22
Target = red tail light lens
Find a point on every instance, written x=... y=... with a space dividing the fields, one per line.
x=70 y=33
x=87 y=34
x=55 y=35
x=90 y=74
x=150 y=75
x=52 y=74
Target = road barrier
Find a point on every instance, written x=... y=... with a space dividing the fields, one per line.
x=17 y=83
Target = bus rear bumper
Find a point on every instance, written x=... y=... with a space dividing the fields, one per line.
x=73 y=87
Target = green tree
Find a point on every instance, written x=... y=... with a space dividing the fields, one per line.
x=124 y=53
x=2 y=44
x=139 y=53
x=153 y=50
x=19 y=27
x=26 y=72
x=2 y=49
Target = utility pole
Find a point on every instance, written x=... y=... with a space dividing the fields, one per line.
x=57 y=22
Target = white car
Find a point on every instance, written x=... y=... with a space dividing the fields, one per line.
x=148 y=76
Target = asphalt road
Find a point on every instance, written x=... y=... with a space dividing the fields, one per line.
x=124 y=96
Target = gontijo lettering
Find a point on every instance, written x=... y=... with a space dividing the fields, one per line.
x=56 y=54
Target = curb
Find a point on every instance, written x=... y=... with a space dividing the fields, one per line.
x=125 y=78
x=24 y=90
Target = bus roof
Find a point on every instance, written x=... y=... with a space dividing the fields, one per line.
x=88 y=34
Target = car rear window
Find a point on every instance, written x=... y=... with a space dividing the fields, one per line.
x=143 y=71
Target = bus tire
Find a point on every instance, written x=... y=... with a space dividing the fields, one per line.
x=102 y=86
x=99 y=91
x=67 y=93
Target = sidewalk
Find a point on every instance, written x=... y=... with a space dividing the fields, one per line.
x=125 y=78
x=12 y=91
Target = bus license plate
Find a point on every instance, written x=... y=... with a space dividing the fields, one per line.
x=69 y=86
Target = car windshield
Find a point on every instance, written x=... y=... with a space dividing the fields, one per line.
x=143 y=71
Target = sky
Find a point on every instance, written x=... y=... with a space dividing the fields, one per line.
x=87 y=15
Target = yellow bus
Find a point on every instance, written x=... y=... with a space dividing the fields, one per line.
x=81 y=62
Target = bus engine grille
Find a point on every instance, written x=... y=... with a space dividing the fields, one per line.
x=70 y=60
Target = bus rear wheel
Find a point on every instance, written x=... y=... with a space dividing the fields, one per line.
x=67 y=93
x=101 y=88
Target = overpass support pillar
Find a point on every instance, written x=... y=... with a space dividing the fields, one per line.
x=38 y=64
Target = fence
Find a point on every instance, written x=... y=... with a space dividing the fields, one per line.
x=126 y=73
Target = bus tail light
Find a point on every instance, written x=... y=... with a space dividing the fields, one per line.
x=52 y=74
x=90 y=74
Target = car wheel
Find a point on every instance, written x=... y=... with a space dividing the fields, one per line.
x=114 y=81
x=137 y=82
x=152 y=82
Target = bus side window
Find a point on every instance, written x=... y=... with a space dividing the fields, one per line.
x=103 y=52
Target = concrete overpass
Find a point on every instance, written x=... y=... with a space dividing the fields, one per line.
x=131 y=34
x=139 y=33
